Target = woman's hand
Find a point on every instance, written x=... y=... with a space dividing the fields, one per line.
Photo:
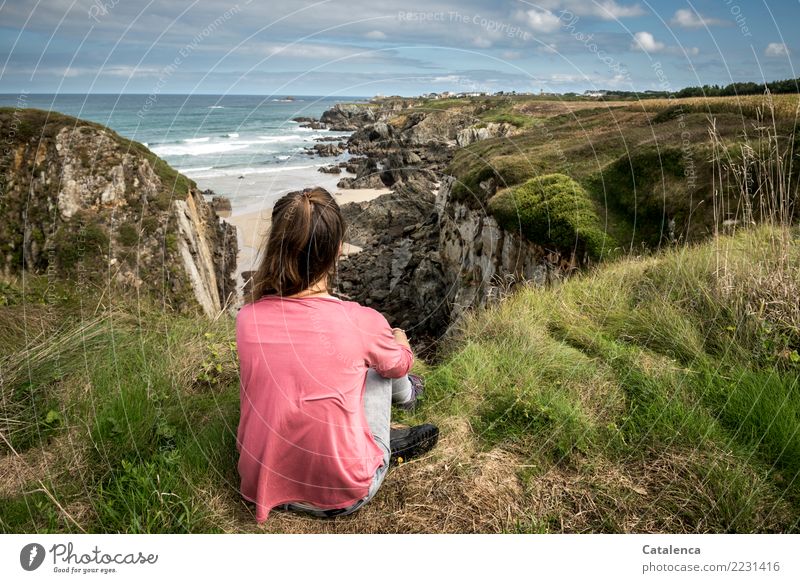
x=400 y=337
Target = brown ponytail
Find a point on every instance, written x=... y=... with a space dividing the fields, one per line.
x=305 y=236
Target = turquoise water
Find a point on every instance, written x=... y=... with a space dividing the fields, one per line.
x=207 y=137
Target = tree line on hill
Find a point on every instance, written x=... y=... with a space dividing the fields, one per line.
x=739 y=88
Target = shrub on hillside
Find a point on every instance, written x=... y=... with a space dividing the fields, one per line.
x=551 y=210
x=505 y=170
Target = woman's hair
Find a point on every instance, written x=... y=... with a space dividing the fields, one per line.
x=305 y=237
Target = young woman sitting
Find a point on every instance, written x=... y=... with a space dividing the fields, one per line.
x=318 y=375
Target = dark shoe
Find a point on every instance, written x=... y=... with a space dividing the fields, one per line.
x=417 y=387
x=410 y=442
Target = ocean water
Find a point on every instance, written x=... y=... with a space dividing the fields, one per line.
x=213 y=139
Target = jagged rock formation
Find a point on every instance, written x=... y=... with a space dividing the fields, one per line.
x=426 y=258
x=481 y=260
x=399 y=271
x=347 y=117
x=325 y=150
x=82 y=203
x=469 y=135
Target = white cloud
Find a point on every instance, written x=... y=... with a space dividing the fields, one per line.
x=124 y=71
x=690 y=19
x=481 y=42
x=776 y=50
x=511 y=55
x=610 y=10
x=307 y=51
x=375 y=35
x=320 y=52
x=543 y=20
x=592 y=79
x=452 y=78
x=604 y=9
x=645 y=41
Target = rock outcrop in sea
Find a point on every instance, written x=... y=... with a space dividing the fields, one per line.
x=81 y=202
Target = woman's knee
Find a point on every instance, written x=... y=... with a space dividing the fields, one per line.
x=376 y=381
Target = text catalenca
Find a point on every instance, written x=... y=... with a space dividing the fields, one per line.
x=670 y=550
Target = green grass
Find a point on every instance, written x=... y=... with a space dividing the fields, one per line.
x=639 y=364
x=643 y=164
x=649 y=393
x=151 y=404
x=506 y=171
x=554 y=211
x=507 y=114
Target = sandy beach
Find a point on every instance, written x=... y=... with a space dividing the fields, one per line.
x=252 y=195
x=252 y=226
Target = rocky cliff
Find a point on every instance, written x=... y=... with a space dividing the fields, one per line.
x=480 y=260
x=427 y=257
x=80 y=202
x=399 y=270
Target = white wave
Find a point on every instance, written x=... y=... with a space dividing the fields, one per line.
x=244 y=171
x=216 y=107
x=197 y=149
x=196 y=140
x=197 y=169
x=289 y=138
x=232 y=135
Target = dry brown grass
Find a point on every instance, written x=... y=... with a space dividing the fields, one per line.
x=646 y=495
x=62 y=460
x=458 y=489
x=785 y=105
x=454 y=489
x=555 y=107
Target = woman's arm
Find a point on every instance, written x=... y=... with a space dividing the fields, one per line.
x=387 y=349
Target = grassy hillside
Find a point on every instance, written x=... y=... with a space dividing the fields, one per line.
x=644 y=164
x=80 y=202
x=29 y=125
x=656 y=394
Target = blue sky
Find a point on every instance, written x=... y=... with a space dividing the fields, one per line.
x=368 y=47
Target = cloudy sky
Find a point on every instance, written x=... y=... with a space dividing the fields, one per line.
x=369 y=47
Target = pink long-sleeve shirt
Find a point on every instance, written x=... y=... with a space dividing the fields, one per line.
x=303 y=435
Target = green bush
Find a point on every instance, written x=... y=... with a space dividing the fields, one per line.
x=150 y=225
x=506 y=171
x=551 y=210
x=79 y=241
x=514 y=119
x=127 y=235
x=634 y=181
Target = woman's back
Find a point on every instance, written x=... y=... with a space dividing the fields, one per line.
x=303 y=435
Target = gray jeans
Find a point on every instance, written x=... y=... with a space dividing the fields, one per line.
x=379 y=394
